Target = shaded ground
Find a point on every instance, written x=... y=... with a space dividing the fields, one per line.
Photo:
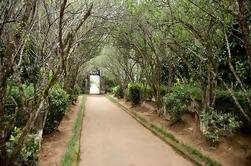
x=110 y=137
x=231 y=151
x=54 y=144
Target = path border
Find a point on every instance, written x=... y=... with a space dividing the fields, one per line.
x=191 y=153
x=71 y=156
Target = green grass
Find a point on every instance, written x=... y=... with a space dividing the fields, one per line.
x=187 y=151
x=72 y=153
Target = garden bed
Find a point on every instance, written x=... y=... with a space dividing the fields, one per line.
x=55 y=143
x=231 y=151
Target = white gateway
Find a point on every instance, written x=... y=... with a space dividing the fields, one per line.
x=94 y=84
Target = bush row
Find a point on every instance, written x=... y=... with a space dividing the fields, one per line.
x=214 y=123
x=136 y=92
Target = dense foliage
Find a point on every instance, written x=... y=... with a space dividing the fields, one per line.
x=215 y=124
x=13 y=100
x=184 y=50
x=225 y=102
x=59 y=100
x=44 y=43
x=175 y=105
x=118 y=91
x=134 y=93
x=178 y=99
x=29 y=152
x=184 y=54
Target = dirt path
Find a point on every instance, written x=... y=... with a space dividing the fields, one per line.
x=110 y=137
x=54 y=144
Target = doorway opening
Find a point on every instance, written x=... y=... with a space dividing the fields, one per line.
x=94 y=84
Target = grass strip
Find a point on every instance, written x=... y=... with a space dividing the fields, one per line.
x=72 y=153
x=189 y=152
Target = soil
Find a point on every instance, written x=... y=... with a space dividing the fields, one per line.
x=232 y=151
x=111 y=137
x=55 y=143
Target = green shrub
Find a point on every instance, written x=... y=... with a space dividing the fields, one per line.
x=29 y=151
x=189 y=91
x=225 y=102
x=109 y=90
x=175 y=102
x=175 y=105
x=215 y=124
x=109 y=84
x=163 y=90
x=134 y=90
x=118 y=91
x=147 y=93
x=126 y=94
x=59 y=99
x=13 y=100
x=77 y=90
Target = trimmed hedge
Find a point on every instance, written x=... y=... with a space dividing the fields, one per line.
x=118 y=91
x=59 y=100
x=134 y=92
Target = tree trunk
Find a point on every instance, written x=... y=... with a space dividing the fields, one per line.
x=244 y=27
x=21 y=140
x=170 y=77
x=3 y=148
x=5 y=72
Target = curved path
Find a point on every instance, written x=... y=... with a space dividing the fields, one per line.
x=110 y=137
